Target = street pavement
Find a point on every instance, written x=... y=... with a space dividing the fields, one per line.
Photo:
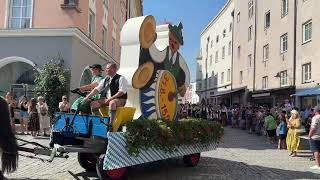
x=239 y=156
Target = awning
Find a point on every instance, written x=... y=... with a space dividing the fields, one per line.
x=228 y=92
x=308 y=92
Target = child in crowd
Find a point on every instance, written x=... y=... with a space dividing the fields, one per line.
x=282 y=131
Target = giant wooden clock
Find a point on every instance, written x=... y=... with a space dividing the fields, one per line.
x=166 y=95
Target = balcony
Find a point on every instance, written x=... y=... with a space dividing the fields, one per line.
x=71 y=4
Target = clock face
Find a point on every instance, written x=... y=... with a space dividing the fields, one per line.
x=166 y=96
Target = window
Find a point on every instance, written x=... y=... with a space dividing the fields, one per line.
x=266 y=52
x=229 y=75
x=215 y=80
x=106 y=3
x=21 y=14
x=284 y=43
x=212 y=79
x=307 y=31
x=217 y=39
x=267 y=20
x=104 y=38
x=250 y=33
x=224 y=33
x=250 y=9
x=230 y=27
x=239 y=51
x=222 y=77
x=210 y=59
x=223 y=52
x=238 y=17
x=241 y=77
x=113 y=47
x=92 y=25
x=306 y=72
x=70 y=2
x=284 y=8
x=250 y=60
x=217 y=56
x=115 y=10
x=229 y=48
x=283 y=78
x=265 y=82
x=211 y=44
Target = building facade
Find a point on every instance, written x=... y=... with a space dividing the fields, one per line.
x=274 y=62
x=244 y=51
x=308 y=54
x=274 y=49
x=215 y=58
x=80 y=32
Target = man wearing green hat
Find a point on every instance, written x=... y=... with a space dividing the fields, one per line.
x=85 y=108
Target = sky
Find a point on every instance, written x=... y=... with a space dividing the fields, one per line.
x=194 y=15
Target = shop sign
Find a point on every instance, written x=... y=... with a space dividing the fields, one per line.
x=260 y=95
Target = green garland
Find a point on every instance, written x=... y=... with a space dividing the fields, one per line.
x=167 y=136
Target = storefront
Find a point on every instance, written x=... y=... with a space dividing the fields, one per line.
x=239 y=96
x=308 y=97
x=273 y=97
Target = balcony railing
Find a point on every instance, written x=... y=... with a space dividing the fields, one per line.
x=71 y=4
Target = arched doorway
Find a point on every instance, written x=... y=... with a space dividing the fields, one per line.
x=86 y=77
x=16 y=70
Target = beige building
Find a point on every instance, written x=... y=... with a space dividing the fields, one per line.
x=308 y=54
x=81 y=32
x=263 y=57
x=274 y=55
x=215 y=59
x=244 y=52
x=274 y=62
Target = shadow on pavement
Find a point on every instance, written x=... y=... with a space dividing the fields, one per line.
x=84 y=175
x=26 y=179
x=212 y=168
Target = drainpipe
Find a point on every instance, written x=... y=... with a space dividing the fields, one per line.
x=255 y=44
x=295 y=45
x=231 y=68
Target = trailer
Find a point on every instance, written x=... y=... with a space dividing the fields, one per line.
x=157 y=75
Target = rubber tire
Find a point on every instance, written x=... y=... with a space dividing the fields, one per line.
x=88 y=161
x=191 y=160
x=115 y=174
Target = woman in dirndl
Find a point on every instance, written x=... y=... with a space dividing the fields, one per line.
x=293 y=139
x=44 y=119
x=34 y=125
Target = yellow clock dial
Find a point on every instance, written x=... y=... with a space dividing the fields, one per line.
x=166 y=96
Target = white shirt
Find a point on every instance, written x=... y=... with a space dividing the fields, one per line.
x=123 y=85
x=315 y=123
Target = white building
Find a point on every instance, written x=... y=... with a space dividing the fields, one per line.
x=194 y=95
x=215 y=59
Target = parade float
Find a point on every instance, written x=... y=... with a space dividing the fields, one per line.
x=147 y=129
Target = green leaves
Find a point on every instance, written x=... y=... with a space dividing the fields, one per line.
x=145 y=134
x=53 y=82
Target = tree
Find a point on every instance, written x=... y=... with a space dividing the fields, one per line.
x=52 y=82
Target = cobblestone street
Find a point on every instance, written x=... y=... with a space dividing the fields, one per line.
x=239 y=156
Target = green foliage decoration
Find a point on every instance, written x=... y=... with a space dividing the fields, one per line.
x=167 y=136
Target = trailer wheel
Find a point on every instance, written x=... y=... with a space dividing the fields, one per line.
x=88 y=161
x=191 y=160
x=110 y=174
